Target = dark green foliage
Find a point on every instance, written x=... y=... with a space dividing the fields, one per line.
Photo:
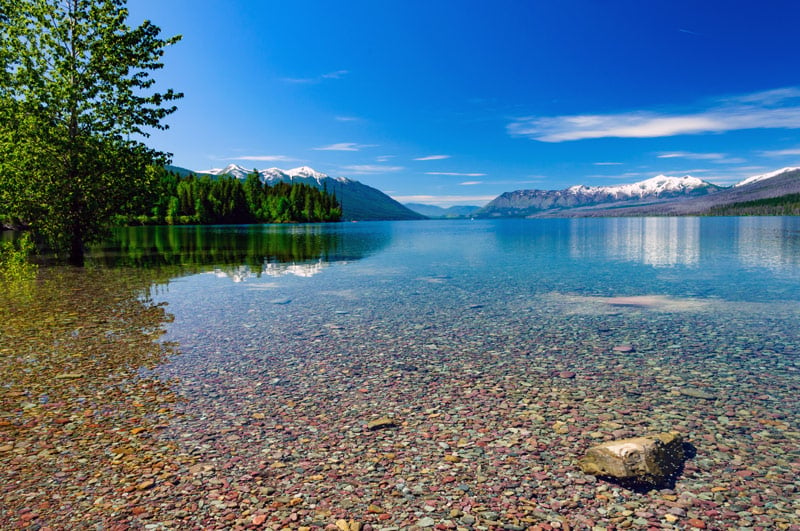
x=786 y=205
x=177 y=200
x=14 y=264
x=75 y=96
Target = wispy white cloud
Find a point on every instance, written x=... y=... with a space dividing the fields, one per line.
x=266 y=158
x=366 y=169
x=455 y=173
x=792 y=152
x=774 y=109
x=347 y=119
x=718 y=158
x=300 y=80
x=343 y=146
x=338 y=74
x=470 y=183
x=433 y=157
x=384 y=158
x=766 y=97
x=695 y=156
x=445 y=200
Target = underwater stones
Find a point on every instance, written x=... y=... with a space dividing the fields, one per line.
x=696 y=393
x=648 y=459
x=381 y=424
x=624 y=349
x=69 y=376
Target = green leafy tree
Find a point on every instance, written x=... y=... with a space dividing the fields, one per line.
x=76 y=94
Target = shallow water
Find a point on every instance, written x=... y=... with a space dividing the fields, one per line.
x=501 y=350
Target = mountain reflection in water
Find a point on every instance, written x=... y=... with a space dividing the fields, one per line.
x=240 y=251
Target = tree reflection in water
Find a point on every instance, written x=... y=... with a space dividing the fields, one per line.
x=77 y=421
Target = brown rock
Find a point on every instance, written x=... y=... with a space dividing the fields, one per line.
x=697 y=393
x=381 y=423
x=146 y=484
x=68 y=376
x=649 y=459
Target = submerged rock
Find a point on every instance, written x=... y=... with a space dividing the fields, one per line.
x=381 y=423
x=649 y=459
x=696 y=393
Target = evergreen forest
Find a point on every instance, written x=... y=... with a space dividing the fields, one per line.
x=187 y=200
x=785 y=205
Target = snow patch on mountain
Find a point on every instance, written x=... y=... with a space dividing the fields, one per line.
x=274 y=174
x=234 y=170
x=769 y=175
x=654 y=186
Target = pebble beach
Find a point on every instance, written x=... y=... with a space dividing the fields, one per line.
x=396 y=406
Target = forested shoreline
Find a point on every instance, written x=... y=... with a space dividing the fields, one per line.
x=203 y=200
x=785 y=205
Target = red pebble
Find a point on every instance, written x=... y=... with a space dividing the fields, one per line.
x=694 y=522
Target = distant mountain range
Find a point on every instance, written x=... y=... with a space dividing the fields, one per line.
x=433 y=211
x=359 y=201
x=660 y=195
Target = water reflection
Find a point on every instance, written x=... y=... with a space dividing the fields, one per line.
x=659 y=242
x=73 y=408
x=271 y=269
x=244 y=251
x=772 y=243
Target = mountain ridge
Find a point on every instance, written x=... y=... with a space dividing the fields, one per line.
x=660 y=195
x=525 y=203
x=359 y=201
x=433 y=211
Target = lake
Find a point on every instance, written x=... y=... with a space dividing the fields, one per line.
x=226 y=377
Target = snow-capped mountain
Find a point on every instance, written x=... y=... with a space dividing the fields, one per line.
x=657 y=186
x=359 y=201
x=770 y=175
x=661 y=195
x=529 y=202
x=234 y=170
x=273 y=174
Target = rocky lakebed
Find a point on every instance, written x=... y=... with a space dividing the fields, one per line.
x=331 y=413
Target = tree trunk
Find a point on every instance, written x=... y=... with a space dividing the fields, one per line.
x=76 y=251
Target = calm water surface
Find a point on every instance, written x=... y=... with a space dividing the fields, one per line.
x=725 y=290
x=401 y=271
x=501 y=341
x=501 y=349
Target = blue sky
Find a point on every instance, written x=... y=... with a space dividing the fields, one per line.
x=455 y=102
